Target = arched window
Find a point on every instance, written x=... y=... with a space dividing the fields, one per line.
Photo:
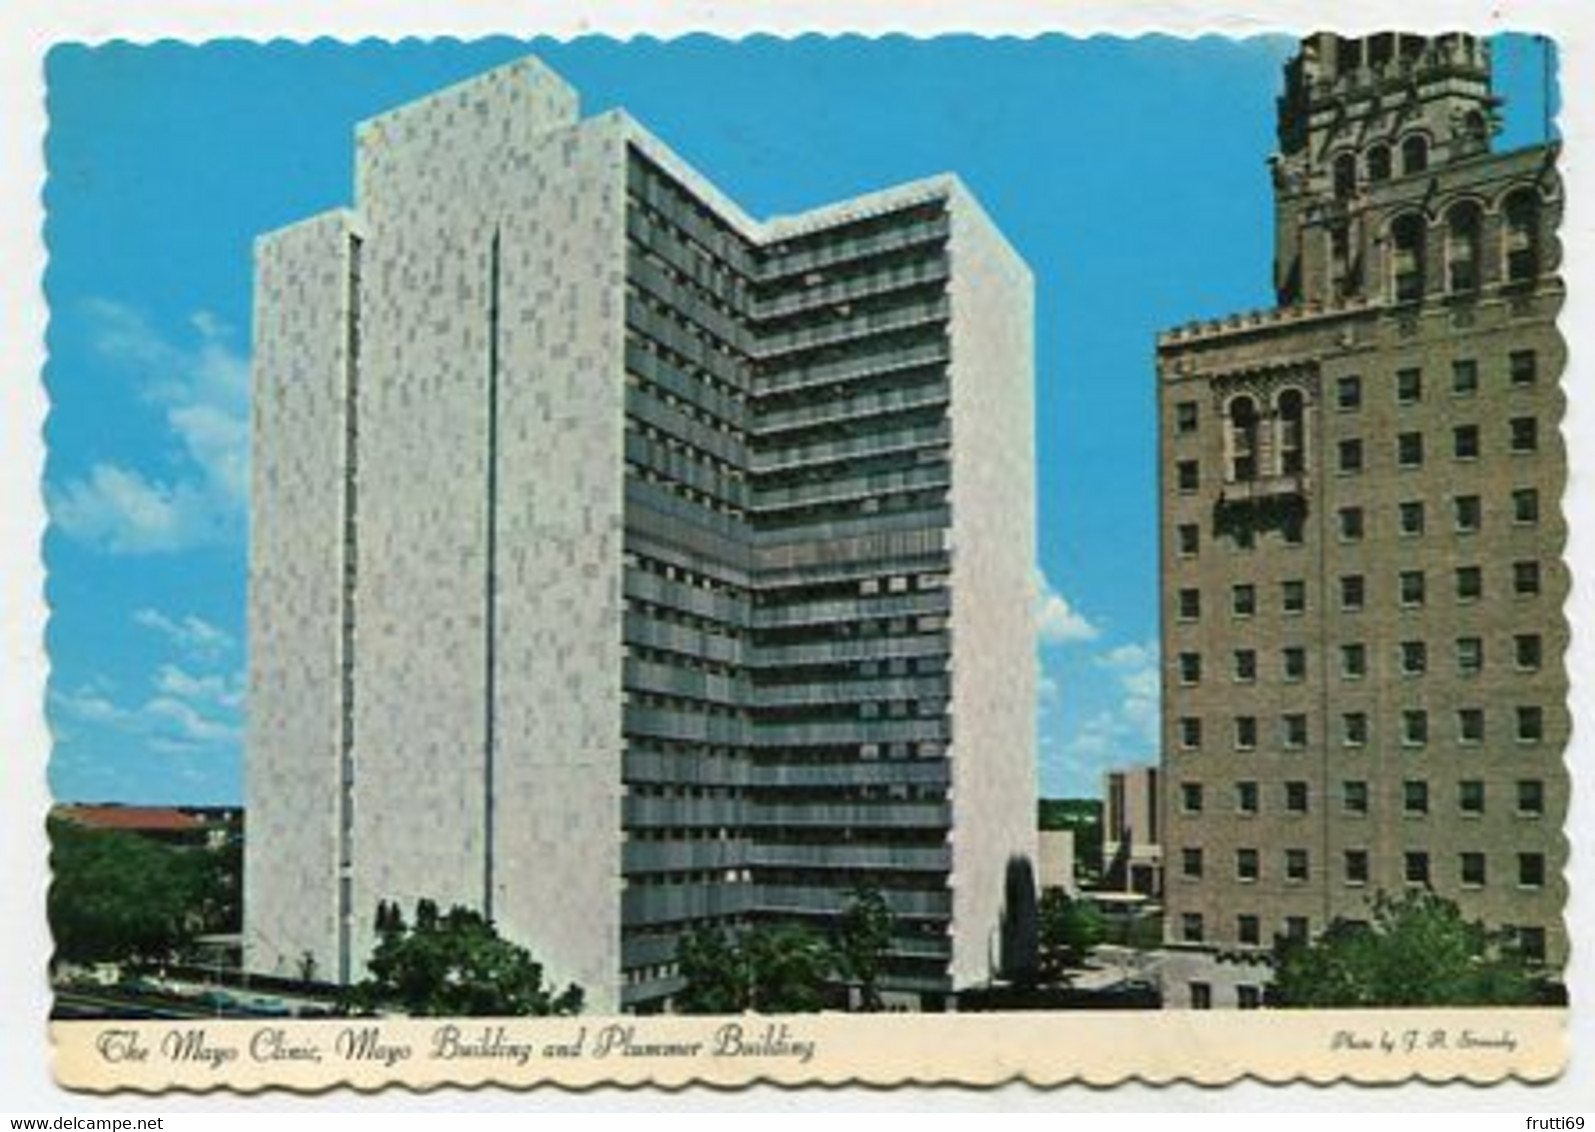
x=1406 y=257
x=1414 y=154
x=1345 y=176
x=1521 y=233
x=1378 y=163
x=1464 y=226
x=1475 y=132
x=1343 y=275
x=1292 y=425
x=1242 y=439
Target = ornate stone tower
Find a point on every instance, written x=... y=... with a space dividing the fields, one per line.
x=1360 y=120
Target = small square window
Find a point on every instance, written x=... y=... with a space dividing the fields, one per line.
x=1190 y=668
x=1187 y=475
x=1293 y=596
x=1350 y=524
x=1352 y=592
x=1417 y=867
x=1296 y=928
x=1527 y=651
x=1248 y=930
x=1526 y=506
x=1244 y=534
x=1414 y=658
x=1185 y=418
x=1246 y=869
x=1411 y=587
x=1294 y=731
x=1470 y=583
x=1356 y=866
x=1353 y=661
x=1409 y=516
x=1295 y=664
x=1190 y=604
x=1530 y=797
x=1190 y=728
x=1354 y=796
x=1201 y=992
x=1191 y=797
x=1246 y=797
x=1523 y=366
x=1248 y=996
x=1465 y=442
x=1409 y=386
x=1191 y=861
x=1473 y=870
x=1470 y=797
x=1354 y=728
x=1296 y=865
x=1526 y=578
x=1292 y=530
x=1464 y=377
x=1530 y=724
x=1296 y=797
x=1349 y=457
x=1470 y=655
x=1188 y=538
x=1348 y=392
x=1525 y=434
x=1469 y=513
x=1414 y=727
x=1243 y=599
x=1470 y=725
x=1191 y=932
x=1409 y=450
x=1245 y=665
x=1531 y=870
x=1246 y=732
x=1415 y=797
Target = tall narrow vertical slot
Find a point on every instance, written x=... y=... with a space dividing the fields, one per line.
x=351 y=481
x=490 y=589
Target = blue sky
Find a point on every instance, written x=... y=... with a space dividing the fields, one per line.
x=1129 y=173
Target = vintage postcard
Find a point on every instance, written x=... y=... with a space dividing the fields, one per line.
x=809 y=560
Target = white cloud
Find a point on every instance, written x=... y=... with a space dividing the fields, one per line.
x=182 y=720
x=1127 y=728
x=89 y=707
x=186 y=713
x=1129 y=657
x=220 y=691
x=1140 y=706
x=1057 y=622
x=119 y=510
x=202 y=389
x=189 y=633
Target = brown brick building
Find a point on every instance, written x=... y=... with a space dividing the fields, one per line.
x=1362 y=534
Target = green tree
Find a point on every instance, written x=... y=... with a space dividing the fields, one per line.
x=779 y=968
x=863 y=935
x=119 y=896
x=455 y=964
x=1069 y=930
x=215 y=882
x=1416 y=951
x=1019 y=954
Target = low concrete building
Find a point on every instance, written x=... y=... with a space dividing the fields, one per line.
x=1132 y=850
x=1055 y=861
